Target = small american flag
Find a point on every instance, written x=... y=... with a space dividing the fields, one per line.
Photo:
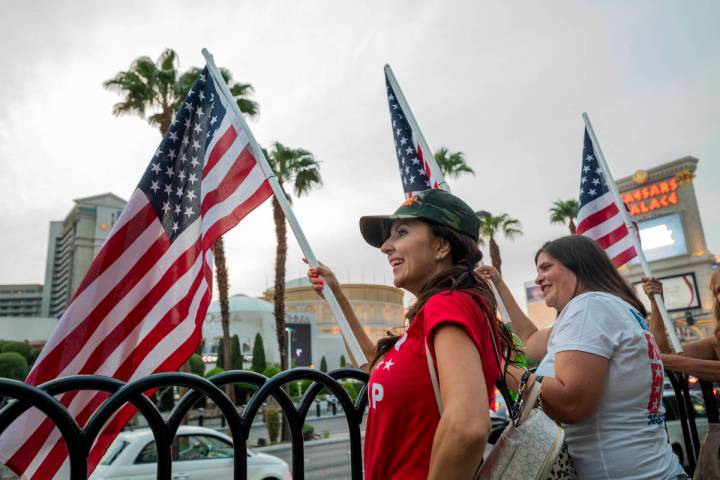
x=599 y=217
x=415 y=171
x=140 y=308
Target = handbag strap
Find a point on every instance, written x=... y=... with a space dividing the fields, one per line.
x=501 y=384
x=433 y=378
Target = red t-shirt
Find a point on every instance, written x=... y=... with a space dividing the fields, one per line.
x=402 y=412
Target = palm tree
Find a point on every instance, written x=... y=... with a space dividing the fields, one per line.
x=155 y=88
x=491 y=226
x=452 y=164
x=298 y=169
x=565 y=211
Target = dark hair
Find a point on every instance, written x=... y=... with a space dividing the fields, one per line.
x=592 y=267
x=461 y=276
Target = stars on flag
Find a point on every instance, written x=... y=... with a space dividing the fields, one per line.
x=414 y=180
x=179 y=159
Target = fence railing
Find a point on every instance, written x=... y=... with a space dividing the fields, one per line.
x=81 y=439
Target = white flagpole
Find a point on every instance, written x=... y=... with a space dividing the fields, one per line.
x=634 y=234
x=428 y=153
x=434 y=167
x=355 y=349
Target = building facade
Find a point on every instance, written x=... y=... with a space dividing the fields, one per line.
x=21 y=300
x=378 y=307
x=663 y=203
x=72 y=245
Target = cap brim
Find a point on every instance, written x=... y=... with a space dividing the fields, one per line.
x=375 y=229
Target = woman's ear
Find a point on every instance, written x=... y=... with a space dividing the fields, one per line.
x=442 y=248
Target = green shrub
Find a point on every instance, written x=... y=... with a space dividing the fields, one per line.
x=197 y=366
x=343 y=362
x=258 y=362
x=271 y=370
x=323 y=364
x=13 y=365
x=352 y=388
x=167 y=399
x=272 y=420
x=23 y=348
x=308 y=432
x=213 y=371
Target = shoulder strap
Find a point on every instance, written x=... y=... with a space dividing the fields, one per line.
x=433 y=378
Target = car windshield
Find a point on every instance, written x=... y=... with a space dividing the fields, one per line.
x=671 y=407
x=113 y=452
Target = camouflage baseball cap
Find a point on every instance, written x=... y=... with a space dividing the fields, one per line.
x=436 y=205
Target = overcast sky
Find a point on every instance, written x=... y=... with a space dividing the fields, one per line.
x=503 y=82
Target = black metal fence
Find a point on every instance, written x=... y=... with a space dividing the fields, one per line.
x=80 y=440
x=120 y=393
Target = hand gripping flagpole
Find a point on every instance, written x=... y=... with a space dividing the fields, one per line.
x=634 y=234
x=434 y=167
x=427 y=152
x=355 y=349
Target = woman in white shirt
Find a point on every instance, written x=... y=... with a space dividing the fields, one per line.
x=601 y=372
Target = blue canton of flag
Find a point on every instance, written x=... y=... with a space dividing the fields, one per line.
x=592 y=182
x=598 y=215
x=172 y=180
x=412 y=172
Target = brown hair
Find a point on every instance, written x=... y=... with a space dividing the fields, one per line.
x=714 y=283
x=461 y=276
x=592 y=267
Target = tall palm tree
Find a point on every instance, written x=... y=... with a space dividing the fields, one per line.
x=452 y=164
x=295 y=168
x=565 y=211
x=491 y=227
x=155 y=89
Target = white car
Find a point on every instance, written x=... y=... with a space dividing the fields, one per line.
x=672 y=422
x=198 y=454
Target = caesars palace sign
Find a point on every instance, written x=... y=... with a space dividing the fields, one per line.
x=656 y=195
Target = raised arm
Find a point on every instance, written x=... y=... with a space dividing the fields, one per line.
x=534 y=340
x=317 y=278
x=702 y=349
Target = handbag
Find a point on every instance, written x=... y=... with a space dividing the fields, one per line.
x=529 y=447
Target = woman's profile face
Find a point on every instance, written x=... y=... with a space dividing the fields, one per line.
x=411 y=250
x=557 y=282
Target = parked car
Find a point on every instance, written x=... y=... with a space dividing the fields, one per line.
x=198 y=454
x=673 y=426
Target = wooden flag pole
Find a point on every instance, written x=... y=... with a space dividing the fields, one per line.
x=352 y=342
x=634 y=234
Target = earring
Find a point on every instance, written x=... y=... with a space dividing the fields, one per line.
x=438 y=257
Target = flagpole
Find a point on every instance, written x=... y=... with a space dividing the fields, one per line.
x=634 y=234
x=428 y=152
x=352 y=342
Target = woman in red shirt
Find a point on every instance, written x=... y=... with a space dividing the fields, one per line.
x=431 y=245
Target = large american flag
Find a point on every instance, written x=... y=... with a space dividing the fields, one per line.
x=598 y=216
x=140 y=308
x=415 y=170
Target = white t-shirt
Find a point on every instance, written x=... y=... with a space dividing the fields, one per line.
x=625 y=438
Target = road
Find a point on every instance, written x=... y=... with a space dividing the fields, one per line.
x=322 y=461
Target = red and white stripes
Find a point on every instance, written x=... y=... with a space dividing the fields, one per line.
x=140 y=308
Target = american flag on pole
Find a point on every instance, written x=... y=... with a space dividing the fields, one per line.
x=140 y=308
x=598 y=216
x=416 y=164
